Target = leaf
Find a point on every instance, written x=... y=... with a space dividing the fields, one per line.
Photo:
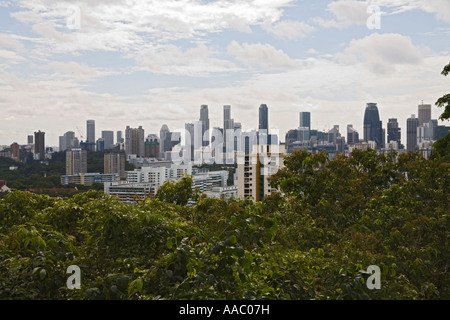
x=135 y=286
x=169 y=243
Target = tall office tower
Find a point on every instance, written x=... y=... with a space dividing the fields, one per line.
x=30 y=139
x=204 y=118
x=163 y=134
x=100 y=144
x=189 y=142
x=394 y=131
x=228 y=133
x=108 y=136
x=372 y=125
x=424 y=114
x=76 y=162
x=152 y=146
x=263 y=118
x=15 y=151
x=39 y=145
x=352 y=135
x=305 y=120
x=114 y=163
x=62 y=143
x=90 y=131
x=119 y=137
x=333 y=134
x=68 y=141
x=411 y=133
x=135 y=141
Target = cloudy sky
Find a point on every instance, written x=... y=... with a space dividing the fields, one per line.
x=154 y=62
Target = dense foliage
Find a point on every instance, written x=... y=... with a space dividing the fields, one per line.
x=331 y=220
x=45 y=178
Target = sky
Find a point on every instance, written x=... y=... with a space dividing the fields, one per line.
x=154 y=62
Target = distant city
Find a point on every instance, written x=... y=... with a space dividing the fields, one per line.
x=172 y=155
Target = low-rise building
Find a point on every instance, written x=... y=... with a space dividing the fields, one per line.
x=87 y=179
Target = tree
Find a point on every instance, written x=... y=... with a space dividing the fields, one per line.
x=442 y=146
x=445 y=100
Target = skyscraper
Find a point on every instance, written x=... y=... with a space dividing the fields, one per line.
x=411 y=133
x=39 y=145
x=15 y=151
x=305 y=120
x=90 y=131
x=372 y=125
x=30 y=139
x=352 y=135
x=76 y=162
x=163 y=134
x=264 y=118
x=424 y=114
x=152 y=146
x=189 y=142
x=204 y=118
x=135 y=141
x=393 y=131
x=114 y=163
x=108 y=136
x=119 y=137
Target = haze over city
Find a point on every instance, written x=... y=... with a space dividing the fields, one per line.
x=149 y=63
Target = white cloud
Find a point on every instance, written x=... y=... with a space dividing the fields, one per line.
x=11 y=56
x=381 y=53
x=134 y=23
x=199 y=61
x=263 y=55
x=290 y=30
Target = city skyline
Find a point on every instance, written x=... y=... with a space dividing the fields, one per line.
x=66 y=62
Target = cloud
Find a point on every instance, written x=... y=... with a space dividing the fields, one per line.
x=136 y=23
x=265 y=56
x=381 y=53
x=199 y=61
x=11 y=56
x=290 y=30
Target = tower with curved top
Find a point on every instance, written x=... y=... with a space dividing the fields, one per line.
x=373 y=130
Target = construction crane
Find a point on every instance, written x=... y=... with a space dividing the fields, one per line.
x=80 y=132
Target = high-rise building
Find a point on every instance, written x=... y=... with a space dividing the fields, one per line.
x=411 y=133
x=352 y=135
x=100 y=144
x=305 y=120
x=119 y=137
x=190 y=140
x=76 y=162
x=15 y=151
x=114 y=163
x=30 y=139
x=90 y=131
x=255 y=169
x=263 y=118
x=372 y=125
x=39 y=145
x=68 y=141
x=424 y=114
x=333 y=134
x=164 y=137
x=108 y=137
x=394 y=132
x=135 y=141
x=152 y=146
x=204 y=118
